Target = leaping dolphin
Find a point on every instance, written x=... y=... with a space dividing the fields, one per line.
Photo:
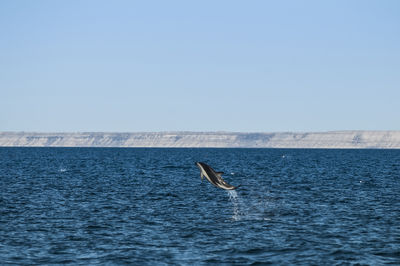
x=213 y=177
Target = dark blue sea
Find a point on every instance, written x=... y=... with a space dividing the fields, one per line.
x=148 y=206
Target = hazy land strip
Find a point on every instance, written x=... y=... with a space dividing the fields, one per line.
x=332 y=139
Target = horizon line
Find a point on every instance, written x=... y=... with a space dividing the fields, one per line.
x=197 y=131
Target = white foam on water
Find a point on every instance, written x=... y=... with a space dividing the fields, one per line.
x=237 y=205
x=254 y=210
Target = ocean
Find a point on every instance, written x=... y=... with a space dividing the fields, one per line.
x=148 y=206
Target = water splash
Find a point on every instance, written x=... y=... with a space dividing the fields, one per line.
x=62 y=170
x=249 y=210
x=237 y=205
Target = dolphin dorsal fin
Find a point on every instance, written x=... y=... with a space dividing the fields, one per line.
x=219 y=173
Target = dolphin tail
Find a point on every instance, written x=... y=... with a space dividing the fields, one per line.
x=232 y=187
x=237 y=186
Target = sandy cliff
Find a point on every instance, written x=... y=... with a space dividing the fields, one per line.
x=334 y=139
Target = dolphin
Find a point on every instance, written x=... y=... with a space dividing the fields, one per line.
x=213 y=177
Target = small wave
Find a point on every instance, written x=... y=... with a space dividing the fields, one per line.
x=174 y=167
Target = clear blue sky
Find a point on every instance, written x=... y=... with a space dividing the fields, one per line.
x=199 y=65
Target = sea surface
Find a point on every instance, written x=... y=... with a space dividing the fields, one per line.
x=148 y=206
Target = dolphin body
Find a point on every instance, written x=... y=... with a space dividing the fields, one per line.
x=213 y=177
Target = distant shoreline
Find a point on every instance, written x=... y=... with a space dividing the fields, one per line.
x=356 y=139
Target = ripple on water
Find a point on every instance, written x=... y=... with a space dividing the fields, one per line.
x=149 y=206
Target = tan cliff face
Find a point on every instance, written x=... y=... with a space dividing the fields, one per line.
x=333 y=139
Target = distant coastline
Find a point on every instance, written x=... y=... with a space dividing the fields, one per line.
x=331 y=139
